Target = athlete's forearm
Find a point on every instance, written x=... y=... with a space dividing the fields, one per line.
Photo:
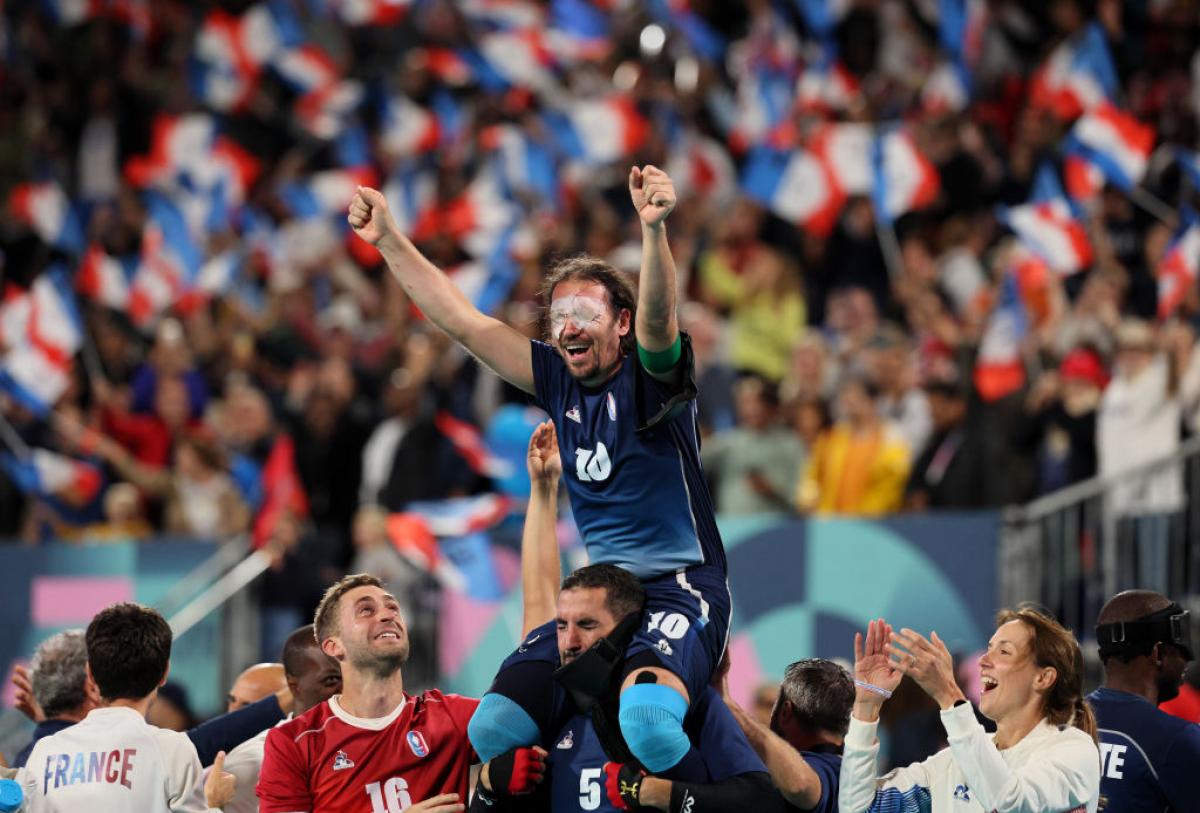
x=541 y=570
x=748 y=791
x=798 y=782
x=496 y=344
x=656 y=323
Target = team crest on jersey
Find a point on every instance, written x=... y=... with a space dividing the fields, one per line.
x=664 y=647
x=341 y=762
x=612 y=407
x=573 y=414
x=416 y=741
x=567 y=742
x=962 y=793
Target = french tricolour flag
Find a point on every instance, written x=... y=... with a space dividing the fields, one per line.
x=764 y=104
x=999 y=369
x=827 y=90
x=411 y=194
x=371 y=12
x=700 y=166
x=961 y=26
x=36 y=369
x=222 y=72
x=1115 y=143
x=407 y=129
x=1077 y=76
x=480 y=216
x=1051 y=231
x=326 y=193
x=45 y=208
x=1178 y=271
x=599 y=131
x=847 y=150
x=169 y=263
x=578 y=30
x=217 y=277
x=523 y=56
x=904 y=179
x=48 y=474
x=523 y=164
x=103 y=279
x=798 y=186
x=469 y=443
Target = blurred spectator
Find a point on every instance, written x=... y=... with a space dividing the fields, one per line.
x=813 y=374
x=254 y=683
x=303 y=563
x=171 y=708
x=169 y=357
x=714 y=376
x=891 y=363
x=1060 y=425
x=860 y=465
x=200 y=498
x=754 y=466
x=953 y=470
x=124 y=520
x=1139 y=422
x=810 y=417
x=767 y=315
x=374 y=553
x=329 y=441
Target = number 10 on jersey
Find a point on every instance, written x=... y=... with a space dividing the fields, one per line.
x=390 y=796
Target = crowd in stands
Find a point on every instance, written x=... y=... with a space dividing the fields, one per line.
x=871 y=336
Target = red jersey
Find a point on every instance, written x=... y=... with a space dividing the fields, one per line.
x=1186 y=705
x=328 y=761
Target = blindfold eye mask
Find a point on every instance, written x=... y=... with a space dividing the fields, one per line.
x=579 y=310
x=1170 y=625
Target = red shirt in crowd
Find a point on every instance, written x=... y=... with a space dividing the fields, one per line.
x=1186 y=706
x=331 y=761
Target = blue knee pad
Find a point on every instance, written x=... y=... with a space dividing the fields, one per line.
x=651 y=720
x=499 y=725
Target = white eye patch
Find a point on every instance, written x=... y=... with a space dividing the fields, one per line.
x=579 y=310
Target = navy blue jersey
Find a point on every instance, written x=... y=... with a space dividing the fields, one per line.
x=631 y=462
x=1149 y=759
x=576 y=761
x=827 y=767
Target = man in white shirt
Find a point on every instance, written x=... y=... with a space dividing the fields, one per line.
x=114 y=761
x=313 y=678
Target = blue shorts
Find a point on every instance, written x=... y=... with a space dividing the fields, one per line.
x=685 y=624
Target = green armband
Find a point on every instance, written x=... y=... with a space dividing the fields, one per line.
x=662 y=361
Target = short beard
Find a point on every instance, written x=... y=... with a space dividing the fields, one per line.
x=379 y=666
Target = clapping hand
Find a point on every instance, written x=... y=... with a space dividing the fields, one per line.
x=875 y=675
x=928 y=662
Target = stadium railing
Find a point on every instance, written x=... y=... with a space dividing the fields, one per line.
x=1073 y=549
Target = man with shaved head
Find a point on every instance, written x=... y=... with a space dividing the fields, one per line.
x=258 y=681
x=1148 y=758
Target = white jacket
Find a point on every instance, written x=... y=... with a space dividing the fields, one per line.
x=1051 y=770
x=113 y=761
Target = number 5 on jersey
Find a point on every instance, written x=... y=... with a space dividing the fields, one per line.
x=392 y=797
